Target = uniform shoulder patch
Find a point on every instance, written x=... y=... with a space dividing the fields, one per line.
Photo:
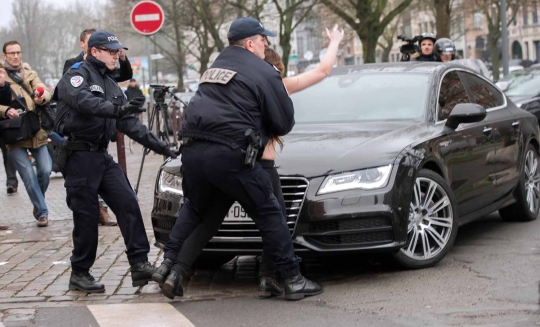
x=96 y=88
x=77 y=65
x=217 y=75
x=76 y=81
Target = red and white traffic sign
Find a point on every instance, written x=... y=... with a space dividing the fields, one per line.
x=147 y=17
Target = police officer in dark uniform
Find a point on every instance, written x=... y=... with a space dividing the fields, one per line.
x=241 y=102
x=91 y=106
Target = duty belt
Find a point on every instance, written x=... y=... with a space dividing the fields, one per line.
x=81 y=146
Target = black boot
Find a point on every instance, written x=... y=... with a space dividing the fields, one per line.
x=173 y=285
x=268 y=287
x=162 y=272
x=141 y=273
x=83 y=281
x=298 y=287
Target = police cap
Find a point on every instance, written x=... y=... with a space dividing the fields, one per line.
x=246 y=27
x=106 y=39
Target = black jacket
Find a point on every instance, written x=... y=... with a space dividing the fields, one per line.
x=133 y=92
x=431 y=57
x=5 y=95
x=120 y=75
x=240 y=91
x=88 y=108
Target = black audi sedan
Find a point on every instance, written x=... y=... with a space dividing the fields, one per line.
x=387 y=158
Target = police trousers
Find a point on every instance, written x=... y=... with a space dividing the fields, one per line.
x=87 y=174
x=214 y=177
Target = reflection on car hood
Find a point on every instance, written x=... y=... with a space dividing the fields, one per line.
x=521 y=99
x=313 y=150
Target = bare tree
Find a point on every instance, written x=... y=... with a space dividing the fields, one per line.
x=367 y=18
x=290 y=13
x=492 y=10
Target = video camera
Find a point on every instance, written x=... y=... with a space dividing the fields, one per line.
x=160 y=90
x=412 y=45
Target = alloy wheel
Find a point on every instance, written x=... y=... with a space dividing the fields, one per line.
x=431 y=220
x=532 y=181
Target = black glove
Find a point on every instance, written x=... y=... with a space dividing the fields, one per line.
x=170 y=153
x=133 y=107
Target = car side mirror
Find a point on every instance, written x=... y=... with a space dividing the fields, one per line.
x=503 y=86
x=465 y=113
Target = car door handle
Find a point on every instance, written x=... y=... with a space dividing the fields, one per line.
x=487 y=130
x=515 y=124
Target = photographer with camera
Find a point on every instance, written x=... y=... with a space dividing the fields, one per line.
x=91 y=107
x=420 y=48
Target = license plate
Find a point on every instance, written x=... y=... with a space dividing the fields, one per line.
x=237 y=213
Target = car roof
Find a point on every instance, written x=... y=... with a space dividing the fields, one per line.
x=419 y=67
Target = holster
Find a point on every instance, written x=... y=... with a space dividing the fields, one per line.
x=60 y=149
x=253 y=148
x=62 y=153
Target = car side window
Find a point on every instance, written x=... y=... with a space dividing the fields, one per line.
x=482 y=93
x=452 y=92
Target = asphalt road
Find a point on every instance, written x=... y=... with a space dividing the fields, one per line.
x=490 y=278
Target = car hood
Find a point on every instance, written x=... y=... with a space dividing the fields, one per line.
x=313 y=150
x=522 y=99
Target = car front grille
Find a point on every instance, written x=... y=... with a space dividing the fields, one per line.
x=354 y=238
x=350 y=224
x=294 y=191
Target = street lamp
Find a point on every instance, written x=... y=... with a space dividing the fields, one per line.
x=504 y=38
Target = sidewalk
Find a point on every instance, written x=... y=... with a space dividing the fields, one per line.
x=34 y=262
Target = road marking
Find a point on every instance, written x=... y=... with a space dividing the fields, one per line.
x=146 y=18
x=138 y=314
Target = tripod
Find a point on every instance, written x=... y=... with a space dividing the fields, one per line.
x=162 y=120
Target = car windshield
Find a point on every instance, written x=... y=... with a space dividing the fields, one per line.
x=363 y=97
x=525 y=85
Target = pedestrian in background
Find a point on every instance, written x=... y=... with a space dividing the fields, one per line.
x=24 y=83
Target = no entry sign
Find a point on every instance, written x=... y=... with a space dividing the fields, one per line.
x=147 y=17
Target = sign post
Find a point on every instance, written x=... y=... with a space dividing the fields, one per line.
x=146 y=18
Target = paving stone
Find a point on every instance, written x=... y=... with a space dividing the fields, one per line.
x=63 y=298
x=23 y=299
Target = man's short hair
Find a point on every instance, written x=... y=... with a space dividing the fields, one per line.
x=8 y=43
x=241 y=41
x=86 y=32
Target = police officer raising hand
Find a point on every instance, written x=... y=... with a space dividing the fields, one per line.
x=91 y=107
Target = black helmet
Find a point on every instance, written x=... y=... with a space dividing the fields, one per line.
x=445 y=46
x=429 y=36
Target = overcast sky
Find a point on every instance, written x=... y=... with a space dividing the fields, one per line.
x=6 y=14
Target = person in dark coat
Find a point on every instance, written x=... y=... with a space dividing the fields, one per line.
x=133 y=90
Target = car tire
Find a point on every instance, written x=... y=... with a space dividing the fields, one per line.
x=527 y=202
x=211 y=261
x=435 y=228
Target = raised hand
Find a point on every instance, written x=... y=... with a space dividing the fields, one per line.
x=336 y=35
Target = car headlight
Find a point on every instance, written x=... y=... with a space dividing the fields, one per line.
x=366 y=179
x=170 y=183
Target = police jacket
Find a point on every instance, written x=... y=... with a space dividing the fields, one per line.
x=120 y=75
x=5 y=95
x=88 y=108
x=238 y=92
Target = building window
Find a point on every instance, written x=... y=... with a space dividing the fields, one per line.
x=478 y=18
x=527 y=50
x=525 y=15
x=535 y=12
